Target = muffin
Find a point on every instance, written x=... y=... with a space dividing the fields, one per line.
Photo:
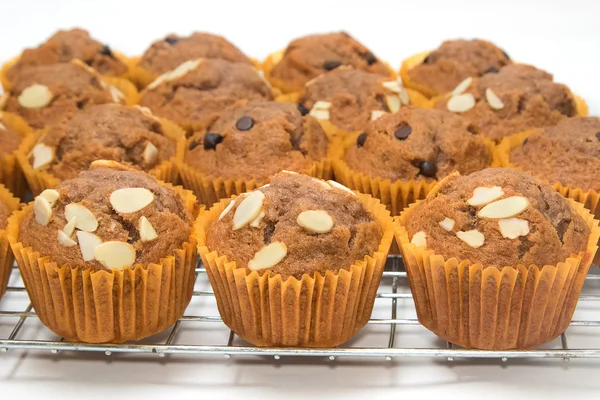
x=439 y=71
x=308 y=57
x=48 y=94
x=90 y=249
x=196 y=92
x=8 y=204
x=505 y=254
x=13 y=129
x=129 y=135
x=297 y=262
x=399 y=157
x=245 y=146
x=62 y=47
x=516 y=98
x=167 y=54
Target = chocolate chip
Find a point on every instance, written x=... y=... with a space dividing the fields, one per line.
x=211 y=140
x=171 y=40
x=361 y=139
x=106 y=51
x=427 y=59
x=525 y=141
x=598 y=135
x=403 y=132
x=244 y=123
x=193 y=145
x=427 y=169
x=331 y=64
x=490 y=70
x=303 y=110
x=370 y=58
x=505 y=55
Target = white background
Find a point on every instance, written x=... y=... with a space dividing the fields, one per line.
x=562 y=37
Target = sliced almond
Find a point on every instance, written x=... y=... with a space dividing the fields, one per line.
x=473 y=238
x=150 y=154
x=268 y=256
x=316 y=221
x=2 y=127
x=42 y=156
x=35 y=96
x=394 y=86
x=147 y=231
x=65 y=240
x=376 y=114
x=285 y=171
x=393 y=103
x=256 y=222
x=70 y=226
x=404 y=97
x=512 y=228
x=115 y=255
x=116 y=94
x=447 y=224
x=109 y=164
x=42 y=210
x=227 y=209
x=419 y=239
x=85 y=219
x=130 y=200
x=51 y=195
x=461 y=103
x=322 y=183
x=461 y=87
x=178 y=72
x=493 y=100
x=504 y=208
x=145 y=110
x=322 y=105
x=87 y=244
x=320 y=110
x=248 y=209
x=340 y=186
x=485 y=194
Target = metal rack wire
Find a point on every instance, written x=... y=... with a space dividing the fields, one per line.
x=393 y=278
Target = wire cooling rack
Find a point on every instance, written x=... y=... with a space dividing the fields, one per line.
x=393 y=330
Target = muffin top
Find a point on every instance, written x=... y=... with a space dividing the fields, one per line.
x=500 y=217
x=67 y=45
x=165 y=55
x=310 y=56
x=195 y=93
x=10 y=139
x=417 y=143
x=350 y=97
x=516 y=98
x=568 y=153
x=4 y=214
x=294 y=226
x=109 y=217
x=48 y=94
x=116 y=132
x=257 y=141
x=456 y=60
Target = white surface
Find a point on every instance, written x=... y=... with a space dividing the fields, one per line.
x=562 y=37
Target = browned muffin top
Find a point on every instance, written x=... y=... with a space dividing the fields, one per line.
x=109 y=217
x=568 y=153
x=10 y=139
x=194 y=94
x=66 y=45
x=130 y=135
x=456 y=60
x=499 y=217
x=516 y=98
x=310 y=56
x=165 y=55
x=48 y=94
x=350 y=98
x=417 y=143
x=294 y=226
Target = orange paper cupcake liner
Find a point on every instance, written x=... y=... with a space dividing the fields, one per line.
x=487 y=307
x=84 y=305
x=41 y=180
x=6 y=255
x=11 y=174
x=314 y=311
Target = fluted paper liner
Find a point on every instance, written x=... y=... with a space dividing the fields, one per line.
x=11 y=174
x=84 y=305
x=315 y=311
x=39 y=180
x=495 y=308
x=589 y=198
x=394 y=195
x=6 y=255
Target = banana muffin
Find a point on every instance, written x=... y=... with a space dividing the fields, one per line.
x=48 y=94
x=349 y=98
x=195 y=93
x=516 y=98
x=66 y=45
x=307 y=57
x=418 y=143
x=455 y=60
